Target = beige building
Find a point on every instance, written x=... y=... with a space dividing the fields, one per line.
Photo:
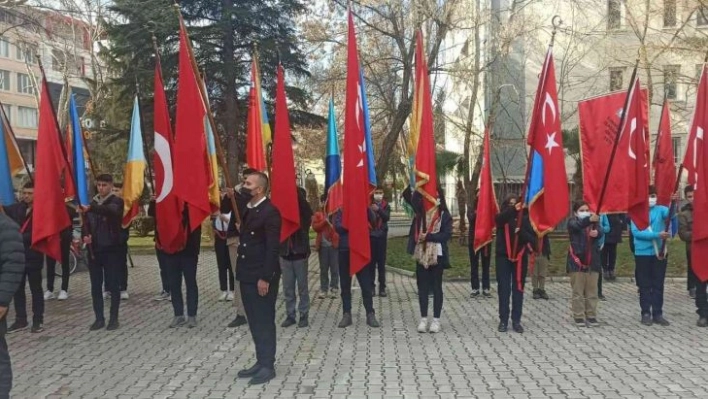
x=62 y=43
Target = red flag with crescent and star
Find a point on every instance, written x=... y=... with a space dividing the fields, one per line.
x=634 y=130
x=696 y=163
x=356 y=181
x=664 y=165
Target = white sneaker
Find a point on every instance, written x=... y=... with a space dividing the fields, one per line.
x=124 y=295
x=63 y=295
x=224 y=295
x=230 y=296
x=106 y=294
x=48 y=295
x=423 y=325
x=435 y=326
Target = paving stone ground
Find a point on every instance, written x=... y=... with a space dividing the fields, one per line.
x=468 y=359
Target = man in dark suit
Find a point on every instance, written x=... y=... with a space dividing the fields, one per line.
x=258 y=273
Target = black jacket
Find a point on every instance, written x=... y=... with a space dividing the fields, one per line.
x=585 y=255
x=343 y=233
x=378 y=221
x=258 y=250
x=103 y=223
x=506 y=223
x=12 y=260
x=297 y=246
x=617 y=226
x=19 y=214
x=227 y=207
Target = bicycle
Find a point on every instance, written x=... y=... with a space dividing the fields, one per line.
x=77 y=255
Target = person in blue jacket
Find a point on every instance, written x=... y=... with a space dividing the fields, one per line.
x=650 y=263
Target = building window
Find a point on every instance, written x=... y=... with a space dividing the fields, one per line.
x=27 y=52
x=4 y=48
x=5 y=80
x=614 y=14
x=24 y=84
x=27 y=117
x=8 y=111
x=616 y=79
x=702 y=16
x=671 y=74
x=676 y=141
x=669 y=13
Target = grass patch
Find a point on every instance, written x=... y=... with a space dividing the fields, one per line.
x=459 y=258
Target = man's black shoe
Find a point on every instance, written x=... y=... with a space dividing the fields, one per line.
x=112 y=325
x=517 y=327
x=371 y=320
x=238 y=321
x=382 y=293
x=579 y=322
x=17 y=326
x=536 y=294
x=288 y=322
x=264 y=375
x=97 y=325
x=249 y=372
x=36 y=328
x=692 y=293
x=543 y=294
x=660 y=320
x=592 y=321
x=702 y=322
x=303 y=322
x=646 y=320
x=601 y=297
x=503 y=327
x=346 y=320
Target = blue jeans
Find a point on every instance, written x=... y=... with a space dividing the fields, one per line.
x=650 y=272
x=507 y=288
x=183 y=265
x=295 y=279
x=345 y=280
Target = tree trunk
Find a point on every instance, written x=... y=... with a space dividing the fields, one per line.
x=229 y=118
x=470 y=181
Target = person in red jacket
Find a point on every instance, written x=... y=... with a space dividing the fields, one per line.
x=326 y=245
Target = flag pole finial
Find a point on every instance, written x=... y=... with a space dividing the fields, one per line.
x=556 y=22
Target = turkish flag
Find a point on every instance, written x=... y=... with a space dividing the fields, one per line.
x=634 y=130
x=192 y=174
x=698 y=158
x=283 y=188
x=425 y=169
x=356 y=184
x=599 y=120
x=547 y=191
x=700 y=116
x=49 y=212
x=664 y=165
x=171 y=234
x=487 y=207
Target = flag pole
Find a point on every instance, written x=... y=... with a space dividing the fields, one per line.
x=6 y=125
x=217 y=141
x=556 y=21
x=142 y=133
x=617 y=140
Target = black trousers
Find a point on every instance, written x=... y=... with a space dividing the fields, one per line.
x=609 y=257
x=691 y=280
x=345 y=284
x=184 y=265
x=429 y=279
x=378 y=261
x=223 y=262
x=162 y=262
x=485 y=253
x=650 y=279
x=5 y=366
x=508 y=287
x=123 y=282
x=51 y=265
x=105 y=268
x=599 y=285
x=33 y=274
x=260 y=312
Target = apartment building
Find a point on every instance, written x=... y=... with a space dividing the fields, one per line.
x=63 y=45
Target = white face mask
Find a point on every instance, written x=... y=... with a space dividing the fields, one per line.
x=378 y=197
x=652 y=201
x=583 y=214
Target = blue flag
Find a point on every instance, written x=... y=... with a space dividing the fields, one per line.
x=77 y=154
x=7 y=192
x=367 y=132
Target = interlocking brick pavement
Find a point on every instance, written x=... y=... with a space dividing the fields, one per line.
x=468 y=359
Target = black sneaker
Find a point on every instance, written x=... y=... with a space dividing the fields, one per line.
x=382 y=293
x=503 y=327
x=702 y=322
x=536 y=294
x=17 y=326
x=474 y=294
x=346 y=320
x=371 y=320
x=36 y=328
x=486 y=294
x=692 y=293
x=289 y=321
x=97 y=325
x=303 y=322
x=543 y=294
x=592 y=322
x=646 y=320
x=113 y=325
x=238 y=321
x=579 y=322
x=601 y=297
x=660 y=320
x=517 y=327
